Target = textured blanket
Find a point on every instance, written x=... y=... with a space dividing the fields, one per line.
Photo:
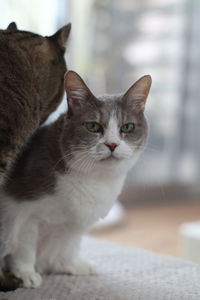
x=124 y=274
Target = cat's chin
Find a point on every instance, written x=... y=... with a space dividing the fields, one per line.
x=110 y=159
x=118 y=163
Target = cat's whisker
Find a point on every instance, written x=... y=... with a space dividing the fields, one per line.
x=90 y=165
x=78 y=162
x=87 y=161
x=152 y=146
x=147 y=149
x=66 y=156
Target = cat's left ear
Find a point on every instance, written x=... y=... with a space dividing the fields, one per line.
x=12 y=26
x=62 y=35
x=136 y=95
x=77 y=91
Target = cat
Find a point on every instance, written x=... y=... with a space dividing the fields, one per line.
x=31 y=86
x=67 y=178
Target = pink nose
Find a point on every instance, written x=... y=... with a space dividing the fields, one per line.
x=111 y=146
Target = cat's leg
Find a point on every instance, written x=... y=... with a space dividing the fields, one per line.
x=9 y=229
x=61 y=255
x=69 y=260
x=77 y=266
x=21 y=262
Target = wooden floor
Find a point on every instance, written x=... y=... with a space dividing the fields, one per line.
x=153 y=227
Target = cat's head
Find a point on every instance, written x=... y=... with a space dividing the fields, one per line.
x=107 y=131
x=44 y=59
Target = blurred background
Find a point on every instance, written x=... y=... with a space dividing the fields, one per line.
x=112 y=44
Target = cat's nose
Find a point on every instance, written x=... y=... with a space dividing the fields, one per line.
x=111 y=146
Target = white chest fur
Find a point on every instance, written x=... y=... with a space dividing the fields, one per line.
x=79 y=200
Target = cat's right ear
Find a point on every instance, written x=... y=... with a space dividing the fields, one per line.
x=62 y=35
x=77 y=91
x=12 y=26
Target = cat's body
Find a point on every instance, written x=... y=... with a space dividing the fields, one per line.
x=71 y=204
x=31 y=86
x=67 y=178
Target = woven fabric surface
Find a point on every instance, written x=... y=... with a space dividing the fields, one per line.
x=123 y=274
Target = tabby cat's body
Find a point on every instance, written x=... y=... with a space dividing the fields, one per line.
x=67 y=178
x=31 y=86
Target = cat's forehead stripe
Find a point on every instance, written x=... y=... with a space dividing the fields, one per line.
x=112 y=132
x=108 y=110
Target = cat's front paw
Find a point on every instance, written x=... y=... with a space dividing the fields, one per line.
x=30 y=279
x=81 y=267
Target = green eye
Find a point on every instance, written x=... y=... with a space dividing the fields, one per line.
x=127 y=128
x=93 y=127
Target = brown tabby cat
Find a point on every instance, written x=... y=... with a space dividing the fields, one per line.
x=31 y=87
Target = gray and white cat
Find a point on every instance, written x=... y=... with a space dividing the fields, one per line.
x=67 y=178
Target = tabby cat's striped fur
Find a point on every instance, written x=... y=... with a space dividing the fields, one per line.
x=31 y=86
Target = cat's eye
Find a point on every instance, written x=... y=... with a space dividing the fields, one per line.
x=127 y=128
x=93 y=127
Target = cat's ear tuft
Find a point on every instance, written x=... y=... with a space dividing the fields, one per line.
x=62 y=35
x=76 y=89
x=12 y=27
x=136 y=95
